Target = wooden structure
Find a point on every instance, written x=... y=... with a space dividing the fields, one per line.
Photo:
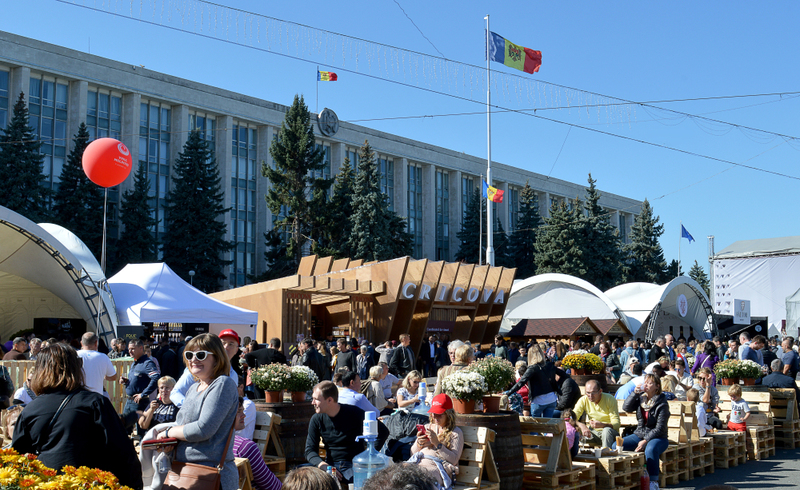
x=553 y=328
x=548 y=463
x=266 y=437
x=476 y=467
x=378 y=301
x=785 y=417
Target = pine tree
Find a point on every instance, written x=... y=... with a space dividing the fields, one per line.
x=523 y=238
x=672 y=271
x=293 y=182
x=603 y=255
x=502 y=246
x=337 y=232
x=137 y=244
x=559 y=244
x=700 y=277
x=78 y=202
x=279 y=263
x=195 y=236
x=644 y=256
x=470 y=233
x=401 y=239
x=370 y=238
x=21 y=167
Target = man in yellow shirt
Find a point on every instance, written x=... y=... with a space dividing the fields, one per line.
x=601 y=423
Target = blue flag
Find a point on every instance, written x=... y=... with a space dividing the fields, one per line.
x=685 y=234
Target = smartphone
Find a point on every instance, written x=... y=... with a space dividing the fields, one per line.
x=421 y=428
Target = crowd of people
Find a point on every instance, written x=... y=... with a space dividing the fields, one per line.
x=198 y=393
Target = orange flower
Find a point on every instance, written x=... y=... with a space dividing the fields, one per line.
x=30 y=481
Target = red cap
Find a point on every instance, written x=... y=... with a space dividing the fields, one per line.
x=440 y=403
x=230 y=333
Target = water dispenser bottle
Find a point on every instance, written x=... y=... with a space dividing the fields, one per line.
x=370 y=461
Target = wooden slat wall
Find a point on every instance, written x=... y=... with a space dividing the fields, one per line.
x=361 y=317
x=497 y=310
x=422 y=308
x=466 y=318
x=296 y=315
x=485 y=307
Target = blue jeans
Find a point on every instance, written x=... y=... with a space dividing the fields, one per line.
x=346 y=469
x=545 y=411
x=652 y=451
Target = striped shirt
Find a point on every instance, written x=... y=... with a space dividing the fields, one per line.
x=263 y=478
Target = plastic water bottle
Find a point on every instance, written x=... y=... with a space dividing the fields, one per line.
x=333 y=475
x=421 y=407
x=370 y=461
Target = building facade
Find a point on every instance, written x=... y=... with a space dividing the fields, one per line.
x=152 y=113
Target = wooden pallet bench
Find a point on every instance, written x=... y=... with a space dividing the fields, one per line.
x=621 y=471
x=702 y=457
x=266 y=436
x=548 y=462
x=760 y=443
x=476 y=467
x=760 y=436
x=785 y=417
x=729 y=449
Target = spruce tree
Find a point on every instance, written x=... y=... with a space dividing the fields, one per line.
x=137 y=244
x=78 y=202
x=672 y=271
x=603 y=255
x=523 y=238
x=401 y=239
x=502 y=246
x=195 y=232
x=370 y=238
x=293 y=184
x=560 y=243
x=470 y=233
x=700 y=277
x=21 y=167
x=279 y=263
x=337 y=232
x=644 y=255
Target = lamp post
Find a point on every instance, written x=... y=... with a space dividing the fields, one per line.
x=191 y=278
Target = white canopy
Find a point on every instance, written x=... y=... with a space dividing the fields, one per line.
x=558 y=296
x=154 y=293
x=47 y=272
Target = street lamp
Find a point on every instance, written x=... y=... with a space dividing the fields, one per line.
x=191 y=278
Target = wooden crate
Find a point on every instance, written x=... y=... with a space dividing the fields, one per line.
x=622 y=471
x=477 y=469
x=760 y=442
x=729 y=449
x=787 y=434
x=668 y=471
x=548 y=463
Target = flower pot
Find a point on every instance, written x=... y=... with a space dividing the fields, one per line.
x=749 y=381
x=463 y=406
x=298 y=396
x=580 y=372
x=273 y=396
x=728 y=381
x=491 y=404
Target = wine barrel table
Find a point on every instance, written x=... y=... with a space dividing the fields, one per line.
x=507 y=445
x=293 y=429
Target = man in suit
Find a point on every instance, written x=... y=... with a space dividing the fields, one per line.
x=429 y=354
x=403 y=358
x=658 y=351
x=311 y=358
x=346 y=356
x=262 y=357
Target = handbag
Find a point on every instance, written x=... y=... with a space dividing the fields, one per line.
x=193 y=476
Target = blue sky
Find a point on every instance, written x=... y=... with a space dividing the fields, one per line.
x=636 y=51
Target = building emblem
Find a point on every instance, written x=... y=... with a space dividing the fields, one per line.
x=683 y=305
x=328 y=122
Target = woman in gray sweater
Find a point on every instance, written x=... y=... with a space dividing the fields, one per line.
x=209 y=410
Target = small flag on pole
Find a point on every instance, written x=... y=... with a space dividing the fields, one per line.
x=491 y=193
x=326 y=76
x=504 y=51
x=685 y=234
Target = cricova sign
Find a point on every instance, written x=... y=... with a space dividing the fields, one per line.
x=448 y=294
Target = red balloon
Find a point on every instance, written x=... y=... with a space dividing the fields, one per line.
x=107 y=162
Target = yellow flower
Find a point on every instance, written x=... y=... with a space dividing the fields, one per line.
x=8 y=476
x=52 y=485
x=29 y=481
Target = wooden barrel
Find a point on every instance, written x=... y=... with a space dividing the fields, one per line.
x=293 y=430
x=507 y=445
x=581 y=379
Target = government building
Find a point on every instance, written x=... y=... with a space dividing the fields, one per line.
x=152 y=113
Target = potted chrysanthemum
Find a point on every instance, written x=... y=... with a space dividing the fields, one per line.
x=303 y=379
x=273 y=379
x=499 y=375
x=465 y=388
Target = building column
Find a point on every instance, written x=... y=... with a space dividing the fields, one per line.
x=19 y=81
x=179 y=126
x=503 y=207
x=337 y=158
x=429 y=212
x=263 y=217
x=613 y=218
x=131 y=110
x=223 y=148
x=77 y=110
x=544 y=204
x=401 y=187
x=455 y=211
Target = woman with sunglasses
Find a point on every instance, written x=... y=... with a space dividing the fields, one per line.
x=209 y=410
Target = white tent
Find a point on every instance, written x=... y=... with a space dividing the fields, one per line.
x=47 y=272
x=558 y=296
x=154 y=293
x=792 y=314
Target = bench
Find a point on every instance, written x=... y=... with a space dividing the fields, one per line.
x=785 y=417
x=760 y=435
x=245 y=473
x=476 y=467
x=266 y=436
x=548 y=463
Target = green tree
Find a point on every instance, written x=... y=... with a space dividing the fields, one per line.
x=370 y=238
x=502 y=246
x=672 y=271
x=401 y=239
x=78 y=202
x=644 y=255
x=602 y=252
x=473 y=222
x=137 y=244
x=336 y=237
x=297 y=196
x=21 y=178
x=700 y=277
x=560 y=243
x=279 y=263
x=195 y=233
x=523 y=238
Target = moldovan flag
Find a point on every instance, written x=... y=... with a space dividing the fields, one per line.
x=504 y=51
x=491 y=193
x=326 y=76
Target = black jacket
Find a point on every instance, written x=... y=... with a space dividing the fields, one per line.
x=568 y=393
x=88 y=432
x=541 y=379
x=314 y=360
x=402 y=361
x=656 y=353
x=262 y=357
x=657 y=417
x=347 y=359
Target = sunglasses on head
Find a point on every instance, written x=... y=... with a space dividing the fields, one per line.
x=200 y=355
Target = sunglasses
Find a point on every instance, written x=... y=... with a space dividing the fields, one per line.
x=199 y=355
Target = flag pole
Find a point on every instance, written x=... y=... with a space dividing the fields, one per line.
x=480 y=226
x=489 y=247
x=680 y=239
x=316 y=77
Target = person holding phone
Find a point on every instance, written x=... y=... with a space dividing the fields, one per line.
x=439 y=443
x=161 y=410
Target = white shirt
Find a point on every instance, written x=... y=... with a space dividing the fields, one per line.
x=96 y=366
x=386 y=384
x=249 y=420
x=649 y=368
x=686 y=379
x=22 y=395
